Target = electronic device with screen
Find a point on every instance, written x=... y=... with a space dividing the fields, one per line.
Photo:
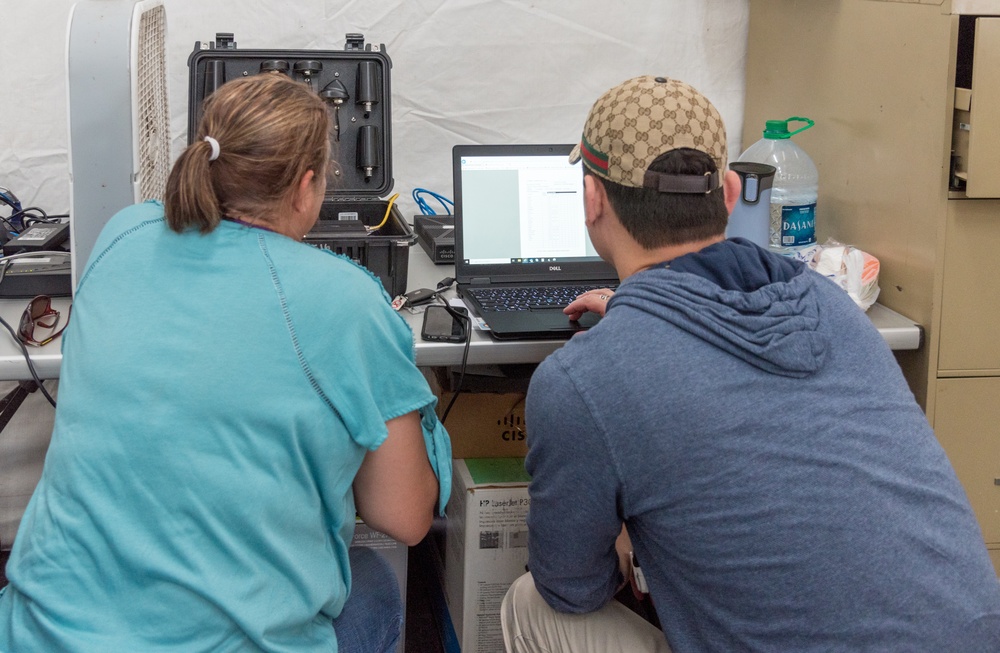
x=520 y=230
x=442 y=325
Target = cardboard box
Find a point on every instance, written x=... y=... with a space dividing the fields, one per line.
x=487 y=425
x=487 y=420
x=397 y=555
x=486 y=546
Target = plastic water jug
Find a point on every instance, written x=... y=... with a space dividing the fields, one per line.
x=795 y=188
x=751 y=217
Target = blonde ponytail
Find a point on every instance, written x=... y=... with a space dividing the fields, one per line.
x=269 y=130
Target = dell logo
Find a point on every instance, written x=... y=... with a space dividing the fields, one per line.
x=555 y=268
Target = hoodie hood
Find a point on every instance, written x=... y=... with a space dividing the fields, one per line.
x=758 y=306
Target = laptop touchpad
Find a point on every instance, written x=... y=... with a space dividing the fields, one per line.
x=555 y=319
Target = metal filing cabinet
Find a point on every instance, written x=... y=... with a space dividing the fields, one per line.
x=906 y=98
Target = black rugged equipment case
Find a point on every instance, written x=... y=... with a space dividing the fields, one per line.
x=354 y=83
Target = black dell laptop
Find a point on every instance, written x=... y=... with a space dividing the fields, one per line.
x=521 y=246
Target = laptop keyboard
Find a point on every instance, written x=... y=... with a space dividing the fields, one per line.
x=528 y=297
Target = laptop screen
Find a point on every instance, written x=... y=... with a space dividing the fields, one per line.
x=519 y=211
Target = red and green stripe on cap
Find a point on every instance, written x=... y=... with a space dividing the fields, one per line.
x=594 y=158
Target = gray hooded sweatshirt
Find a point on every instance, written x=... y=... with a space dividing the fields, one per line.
x=782 y=488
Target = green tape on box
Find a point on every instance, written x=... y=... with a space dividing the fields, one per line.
x=485 y=471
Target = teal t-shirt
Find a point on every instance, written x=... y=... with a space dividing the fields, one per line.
x=217 y=395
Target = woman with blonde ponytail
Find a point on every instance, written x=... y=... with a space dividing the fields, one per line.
x=230 y=401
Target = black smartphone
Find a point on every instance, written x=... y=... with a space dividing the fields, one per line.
x=441 y=326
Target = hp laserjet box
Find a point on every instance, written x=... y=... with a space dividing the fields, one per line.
x=395 y=553
x=486 y=546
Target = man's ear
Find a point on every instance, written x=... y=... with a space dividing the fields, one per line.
x=731 y=189
x=595 y=199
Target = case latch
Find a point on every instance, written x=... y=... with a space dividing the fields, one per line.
x=224 y=41
x=355 y=42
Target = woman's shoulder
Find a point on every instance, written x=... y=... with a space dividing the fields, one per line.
x=128 y=220
x=320 y=265
x=135 y=214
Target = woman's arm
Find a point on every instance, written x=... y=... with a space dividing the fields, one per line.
x=395 y=489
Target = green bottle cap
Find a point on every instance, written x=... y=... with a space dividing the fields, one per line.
x=778 y=129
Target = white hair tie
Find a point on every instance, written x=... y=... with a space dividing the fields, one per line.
x=216 y=150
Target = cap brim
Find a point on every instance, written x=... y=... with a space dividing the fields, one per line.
x=574 y=155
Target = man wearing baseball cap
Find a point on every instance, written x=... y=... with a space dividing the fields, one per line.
x=734 y=436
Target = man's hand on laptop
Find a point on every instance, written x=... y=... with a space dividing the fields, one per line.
x=594 y=301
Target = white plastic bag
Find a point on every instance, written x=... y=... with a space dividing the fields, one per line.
x=850 y=268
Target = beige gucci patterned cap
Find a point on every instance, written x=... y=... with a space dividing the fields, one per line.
x=638 y=120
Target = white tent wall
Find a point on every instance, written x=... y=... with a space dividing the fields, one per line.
x=464 y=71
x=486 y=71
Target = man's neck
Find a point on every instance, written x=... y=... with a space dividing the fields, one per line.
x=638 y=259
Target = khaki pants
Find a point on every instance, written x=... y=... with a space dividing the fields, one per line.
x=531 y=626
